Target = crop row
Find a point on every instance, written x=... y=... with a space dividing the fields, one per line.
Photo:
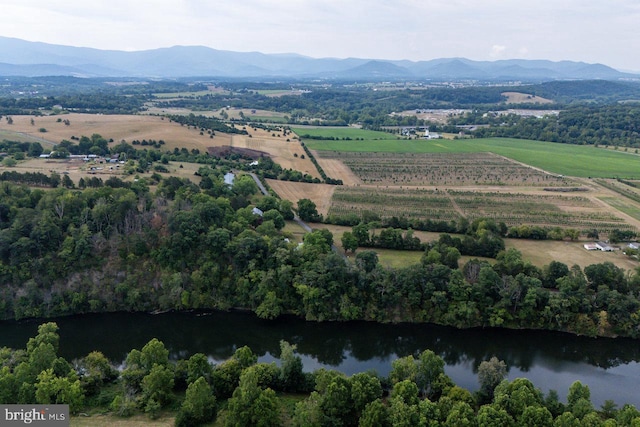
x=441 y=169
x=511 y=208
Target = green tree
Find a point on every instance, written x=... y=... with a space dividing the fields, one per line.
x=275 y=216
x=375 y=414
x=199 y=405
x=244 y=185
x=198 y=366
x=516 y=396
x=536 y=416
x=490 y=416
x=490 y=374
x=307 y=210
x=349 y=242
x=52 y=389
x=95 y=370
x=365 y=388
x=157 y=389
x=430 y=367
x=8 y=386
x=291 y=375
x=251 y=405
x=367 y=260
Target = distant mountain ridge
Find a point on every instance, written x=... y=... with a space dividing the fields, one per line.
x=32 y=59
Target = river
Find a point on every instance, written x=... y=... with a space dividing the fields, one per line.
x=610 y=367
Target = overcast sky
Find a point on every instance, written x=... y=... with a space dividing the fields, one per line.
x=594 y=31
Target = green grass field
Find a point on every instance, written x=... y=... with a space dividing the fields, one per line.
x=270 y=119
x=340 y=133
x=563 y=159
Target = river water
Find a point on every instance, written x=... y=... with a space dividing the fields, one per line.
x=610 y=367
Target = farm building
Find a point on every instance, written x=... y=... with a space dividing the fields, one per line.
x=431 y=135
x=633 y=245
x=605 y=247
x=228 y=178
x=599 y=246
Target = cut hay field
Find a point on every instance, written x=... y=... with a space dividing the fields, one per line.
x=116 y=127
x=320 y=194
x=525 y=98
x=561 y=159
x=288 y=154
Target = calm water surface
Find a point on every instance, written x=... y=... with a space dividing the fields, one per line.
x=609 y=367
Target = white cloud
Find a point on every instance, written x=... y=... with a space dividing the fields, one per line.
x=497 y=51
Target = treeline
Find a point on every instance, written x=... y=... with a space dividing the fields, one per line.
x=55 y=86
x=205 y=123
x=35 y=179
x=105 y=103
x=481 y=239
x=242 y=392
x=327 y=180
x=195 y=247
x=616 y=124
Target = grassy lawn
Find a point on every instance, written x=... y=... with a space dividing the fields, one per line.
x=140 y=420
x=563 y=159
x=340 y=133
x=623 y=206
x=272 y=119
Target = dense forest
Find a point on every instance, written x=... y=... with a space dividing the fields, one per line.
x=242 y=392
x=617 y=124
x=123 y=247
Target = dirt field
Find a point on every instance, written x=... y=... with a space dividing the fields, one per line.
x=525 y=98
x=440 y=116
x=320 y=194
x=335 y=169
x=116 y=127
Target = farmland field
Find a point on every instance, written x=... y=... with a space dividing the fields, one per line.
x=561 y=159
x=116 y=127
x=423 y=169
x=542 y=210
x=320 y=194
x=445 y=204
x=388 y=202
x=539 y=252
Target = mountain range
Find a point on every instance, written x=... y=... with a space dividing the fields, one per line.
x=31 y=59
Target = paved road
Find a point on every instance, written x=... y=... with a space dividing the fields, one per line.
x=260 y=186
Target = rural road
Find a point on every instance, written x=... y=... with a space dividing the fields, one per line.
x=259 y=183
x=296 y=218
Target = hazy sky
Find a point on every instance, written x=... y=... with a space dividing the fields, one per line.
x=594 y=31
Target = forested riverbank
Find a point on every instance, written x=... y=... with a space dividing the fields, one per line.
x=182 y=247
